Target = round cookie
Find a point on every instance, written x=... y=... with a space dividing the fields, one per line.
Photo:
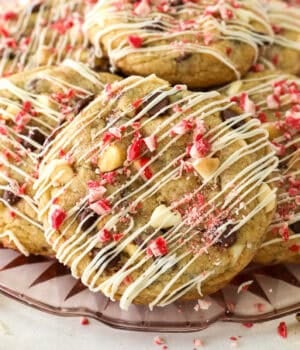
x=154 y=193
x=198 y=43
x=284 y=53
x=274 y=97
x=45 y=33
x=34 y=106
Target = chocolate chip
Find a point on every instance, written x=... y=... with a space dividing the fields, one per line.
x=138 y=241
x=82 y=103
x=295 y=227
x=156 y=26
x=36 y=136
x=10 y=197
x=183 y=57
x=36 y=7
x=156 y=108
x=113 y=264
x=176 y=2
x=87 y=217
x=11 y=55
x=227 y=240
x=227 y=114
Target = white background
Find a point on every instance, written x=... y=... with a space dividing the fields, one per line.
x=27 y=329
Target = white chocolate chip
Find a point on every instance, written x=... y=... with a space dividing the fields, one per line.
x=163 y=217
x=130 y=249
x=264 y=192
x=60 y=172
x=46 y=101
x=112 y=158
x=206 y=167
x=234 y=88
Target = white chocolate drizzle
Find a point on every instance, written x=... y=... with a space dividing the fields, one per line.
x=73 y=244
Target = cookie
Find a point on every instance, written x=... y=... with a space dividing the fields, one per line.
x=45 y=33
x=165 y=196
x=34 y=106
x=274 y=97
x=284 y=53
x=198 y=43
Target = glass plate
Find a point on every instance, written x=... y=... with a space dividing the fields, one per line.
x=257 y=294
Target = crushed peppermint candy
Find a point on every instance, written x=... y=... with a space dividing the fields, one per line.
x=134 y=151
x=57 y=216
x=135 y=41
x=101 y=207
x=84 y=321
x=282 y=330
x=157 y=247
x=104 y=236
x=151 y=142
x=159 y=340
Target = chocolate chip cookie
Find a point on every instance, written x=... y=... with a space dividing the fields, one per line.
x=284 y=53
x=154 y=193
x=274 y=98
x=34 y=106
x=45 y=33
x=198 y=43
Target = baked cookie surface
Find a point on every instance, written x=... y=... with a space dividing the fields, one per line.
x=198 y=43
x=154 y=193
x=45 y=33
x=34 y=106
x=275 y=99
x=284 y=53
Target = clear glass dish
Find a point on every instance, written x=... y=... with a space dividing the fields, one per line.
x=256 y=295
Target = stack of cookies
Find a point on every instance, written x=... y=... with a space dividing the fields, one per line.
x=152 y=146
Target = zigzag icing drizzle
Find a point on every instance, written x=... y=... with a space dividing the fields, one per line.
x=72 y=248
x=204 y=22
x=284 y=17
x=45 y=118
x=56 y=32
x=280 y=93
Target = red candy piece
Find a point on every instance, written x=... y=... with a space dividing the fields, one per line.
x=135 y=149
x=282 y=330
x=101 y=207
x=57 y=217
x=157 y=247
x=147 y=173
x=200 y=148
x=104 y=236
x=295 y=248
x=84 y=321
x=135 y=41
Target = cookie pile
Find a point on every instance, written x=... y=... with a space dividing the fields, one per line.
x=152 y=146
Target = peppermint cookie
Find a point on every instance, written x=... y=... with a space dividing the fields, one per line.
x=198 y=43
x=45 y=33
x=274 y=97
x=284 y=53
x=154 y=193
x=34 y=106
